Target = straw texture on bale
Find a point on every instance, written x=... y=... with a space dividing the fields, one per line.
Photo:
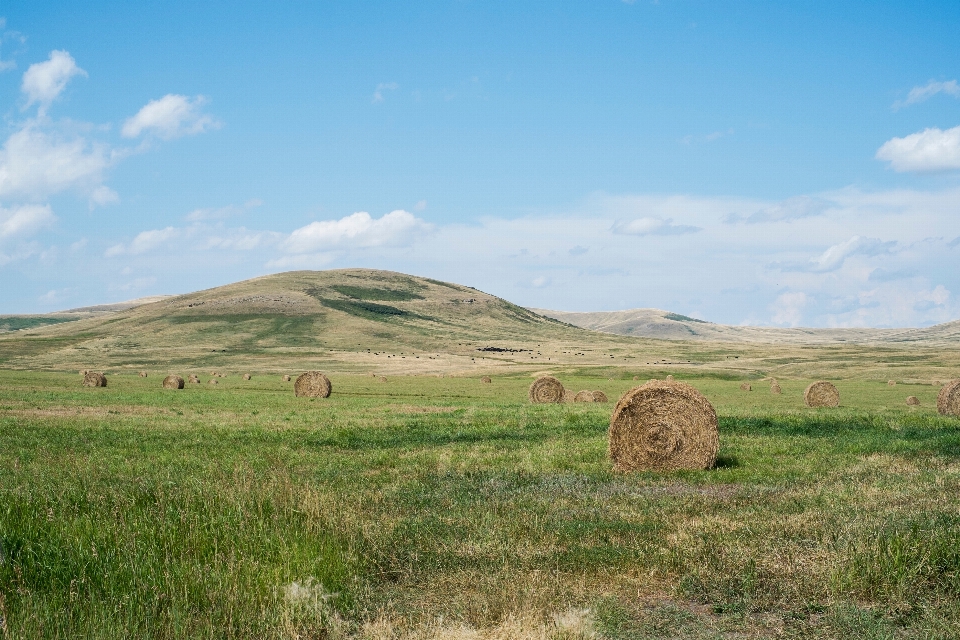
x=285 y=378
x=583 y=396
x=546 y=389
x=214 y=381
x=775 y=389
x=312 y=384
x=913 y=401
x=94 y=379
x=821 y=394
x=194 y=380
x=568 y=395
x=173 y=381
x=486 y=379
x=891 y=383
x=143 y=374
x=746 y=387
x=246 y=376
x=600 y=396
x=948 y=400
x=663 y=426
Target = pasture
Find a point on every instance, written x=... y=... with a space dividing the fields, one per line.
x=446 y=508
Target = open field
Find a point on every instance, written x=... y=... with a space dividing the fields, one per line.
x=447 y=508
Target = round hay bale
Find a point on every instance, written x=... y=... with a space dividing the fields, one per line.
x=486 y=380
x=746 y=387
x=913 y=401
x=948 y=400
x=143 y=374
x=94 y=379
x=821 y=394
x=214 y=381
x=600 y=396
x=194 y=380
x=173 y=381
x=636 y=377
x=84 y=372
x=891 y=383
x=583 y=396
x=312 y=384
x=546 y=389
x=568 y=396
x=285 y=378
x=246 y=376
x=775 y=389
x=663 y=426
x=670 y=378
x=382 y=379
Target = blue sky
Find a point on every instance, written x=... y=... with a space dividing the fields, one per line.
x=789 y=163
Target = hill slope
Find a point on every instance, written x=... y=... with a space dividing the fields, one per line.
x=663 y=325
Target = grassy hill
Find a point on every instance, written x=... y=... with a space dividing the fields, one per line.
x=367 y=321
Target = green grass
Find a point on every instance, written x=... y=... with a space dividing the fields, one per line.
x=131 y=511
x=18 y=323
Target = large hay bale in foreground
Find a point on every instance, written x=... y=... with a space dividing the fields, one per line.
x=312 y=384
x=486 y=379
x=583 y=396
x=746 y=387
x=173 y=381
x=94 y=379
x=663 y=426
x=913 y=401
x=821 y=394
x=948 y=400
x=600 y=396
x=546 y=389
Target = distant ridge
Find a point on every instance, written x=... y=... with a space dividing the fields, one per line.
x=664 y=325
x=116 y=306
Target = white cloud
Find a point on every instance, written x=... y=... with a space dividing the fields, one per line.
x=222 y=213
x=358 y=230
x=834 y=257
x=24 y=220
x=144 y=242
x=788 y=308
x=927 y=151
x=383 y=86
x=789 y=209
x=932 y=88
x=170 y=117
x=652 y=226
x=102 y=196
x=37 y=164
x=44 y=81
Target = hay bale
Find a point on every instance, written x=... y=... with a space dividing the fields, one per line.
x=663 y=426
x=670 y=378
x=486 y=379
x=583 y=396
x=285 y=378
x=312 y=384
x=600 y=396
x=746 y=387
x=214 y=381
x=821 y=394
x=546 y=389
x=568 y=396
x=948 y=400
x=173 y=381
x=891 y=383
x=94 y=379
x=143 y=374
x=246 y=376
x=382 y=379
x=194 y=380
x=775 y=389
x=913 y=401
x=636 y=377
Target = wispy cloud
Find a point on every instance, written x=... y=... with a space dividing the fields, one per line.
x=932 y=88
x=652 y=226
x=928 y=151
x=171 y=116
x=785 y=210
x=43 y=82
x=381 y=88
x=834 y=257
x=358 y=230
x=24 y=220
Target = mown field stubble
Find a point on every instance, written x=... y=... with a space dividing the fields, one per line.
x=447 y=508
